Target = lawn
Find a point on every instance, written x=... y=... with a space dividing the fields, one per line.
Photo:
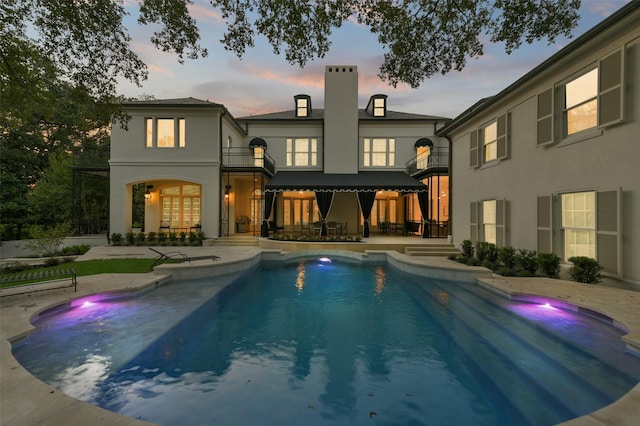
x=102 y=266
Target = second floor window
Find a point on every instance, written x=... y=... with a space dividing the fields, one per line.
x=581 y=102
x=490 y=142
x=302 y=151
x=379 y=152
x=165 y=132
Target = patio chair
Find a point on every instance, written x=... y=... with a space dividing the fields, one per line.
x=179 y=257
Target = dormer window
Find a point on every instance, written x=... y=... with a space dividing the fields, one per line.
x=303 y=105
x=377 y=106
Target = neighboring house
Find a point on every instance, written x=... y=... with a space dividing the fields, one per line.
x=300 y=168
x=552 y=163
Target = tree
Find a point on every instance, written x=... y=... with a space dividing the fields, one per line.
x=50 y=199
x=89 y=46
x=421 y=37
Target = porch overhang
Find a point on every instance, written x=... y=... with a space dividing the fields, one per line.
x=343 y=182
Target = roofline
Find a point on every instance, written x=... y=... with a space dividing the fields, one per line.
x=150 y=104
x=417 y=117
x=578 y=43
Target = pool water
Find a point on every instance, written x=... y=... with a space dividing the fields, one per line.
x=335 y=343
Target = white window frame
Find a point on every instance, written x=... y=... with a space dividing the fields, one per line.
x=371 y=153
x=587 y=104
x=302 y=107
x=489 y=134
x=155 y=136
x=489 y=222
x=579 y=239
x=297 y=157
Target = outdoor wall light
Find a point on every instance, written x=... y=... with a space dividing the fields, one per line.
x=147 y=193
x=227 y=191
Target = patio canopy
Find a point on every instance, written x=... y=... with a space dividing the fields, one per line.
x=342 y=182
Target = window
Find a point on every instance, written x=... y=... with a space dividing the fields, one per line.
x=422 y=157
x=489 y=221
x=379 y=152
x=258 y=156
x=490 y=142
x=379 y=107
x=180 y=206
x=593 y=99
x=579 y=224
x=581 y=102
x=303 y=105
x=302 y=152
x=590 y=226
x=301 y=108
x=165 y=132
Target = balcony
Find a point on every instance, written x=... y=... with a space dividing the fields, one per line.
x=436 y=162
x=243 y=158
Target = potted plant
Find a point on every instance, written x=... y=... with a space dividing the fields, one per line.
x=136 y=228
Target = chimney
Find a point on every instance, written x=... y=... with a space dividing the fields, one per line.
x=341 y=119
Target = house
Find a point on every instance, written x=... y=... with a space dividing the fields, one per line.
x=305 y=170
x=552 y=162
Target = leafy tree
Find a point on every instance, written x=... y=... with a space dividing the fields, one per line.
x=421 y=37
x=50 y=199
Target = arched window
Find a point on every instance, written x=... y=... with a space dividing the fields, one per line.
x=423 y=148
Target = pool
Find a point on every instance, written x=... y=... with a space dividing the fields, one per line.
x=315 y=342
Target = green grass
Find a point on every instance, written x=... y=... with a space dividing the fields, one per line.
x=101 y=266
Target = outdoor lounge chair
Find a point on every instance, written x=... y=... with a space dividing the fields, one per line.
x=179 y=256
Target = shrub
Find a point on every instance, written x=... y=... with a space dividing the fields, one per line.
x=140 y=237
x=75 y=250
x=507 y=257
x=47 y=241
x=549 y=265
x=467 y=250
x=151 y=236
x=12 y=267
x=116 y=239
x=172 y=237
x=52 y=261
x=472 y=261
x=192 y=237
x=130 y=238
x=585 y=270
x=162 y=237
x=200 y=236
x=183 y=236
x=526 y=263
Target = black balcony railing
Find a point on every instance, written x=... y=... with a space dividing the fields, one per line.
x=245 y=158
x=438 y=158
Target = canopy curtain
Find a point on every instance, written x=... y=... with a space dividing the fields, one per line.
x=423 y=200
x=324 y=200
x=366 y=200
x=268 y=204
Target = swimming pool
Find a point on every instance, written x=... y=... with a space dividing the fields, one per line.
x=318 y=343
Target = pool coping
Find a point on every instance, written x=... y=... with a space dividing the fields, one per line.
x=26 y=400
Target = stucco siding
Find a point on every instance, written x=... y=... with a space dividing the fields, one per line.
x=603 y=158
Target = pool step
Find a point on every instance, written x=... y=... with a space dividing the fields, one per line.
x=235 y=241
x=442 y=250
x=514 y=357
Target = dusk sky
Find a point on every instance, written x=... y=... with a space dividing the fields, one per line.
x=263 y=82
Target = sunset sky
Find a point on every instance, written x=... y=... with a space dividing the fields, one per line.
x=264 y=82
